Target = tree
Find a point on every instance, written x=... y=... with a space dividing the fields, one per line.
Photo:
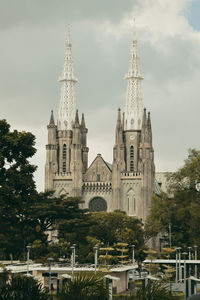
x=154 y=291
x=84 y=286
x=17 y=191
x=21 y=287
x=182 y=209
x=90 y=229
x=116 y=227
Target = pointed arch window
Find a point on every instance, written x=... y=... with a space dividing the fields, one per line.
x=132 y=152
x=64 y=152
x=131 y=166
x=64 y=167
x=131 y=158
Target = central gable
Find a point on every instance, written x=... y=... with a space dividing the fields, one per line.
x=99 y=170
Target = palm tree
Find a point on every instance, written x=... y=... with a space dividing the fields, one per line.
x=84 y=286
x=154 y=291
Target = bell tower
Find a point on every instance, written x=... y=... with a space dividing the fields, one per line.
x=133 y=160
x=67 y=151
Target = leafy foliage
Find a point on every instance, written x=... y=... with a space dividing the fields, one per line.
x=84 y=286
x=103 y=228
x=21 y=287
x=154 y=291
x=17 y=191
x=182 y=209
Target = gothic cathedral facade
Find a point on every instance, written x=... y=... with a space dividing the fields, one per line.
x=128 y=183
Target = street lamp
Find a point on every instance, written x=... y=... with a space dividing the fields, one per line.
x=28 y=253
x=95 y=258
x=50 y=261
x=177 y=264
x=133 y=254
x=73 y=258
x=195 y=257
x=184 y=276
x=170 y=235
x=179 y=258
x=189 y=280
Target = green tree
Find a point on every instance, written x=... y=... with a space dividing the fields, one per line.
x=117 y=227
x=154 y=291
x=182 y=209
x=17 y=191
x=84 y=286
x=22 y=287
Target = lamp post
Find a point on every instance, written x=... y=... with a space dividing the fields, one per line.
x=74 y=245
x=133 y=254
x=184 y=276
x=73 y=258
x=170 y=235
x=50 y=261
x=189 y=280
x=195 y=257
x=28 y=253
x=179 y=263
x=95 y=258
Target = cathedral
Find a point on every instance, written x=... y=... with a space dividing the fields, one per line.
x=129 y=182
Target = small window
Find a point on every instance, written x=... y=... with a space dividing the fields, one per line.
x=98 y=177
x=131 y=166
x=131 y=152
x=64 y=152
x=134 y=204
x=64 y=167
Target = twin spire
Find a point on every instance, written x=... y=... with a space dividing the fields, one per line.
x=67 y=107
x=134 y=105
x=133 y=108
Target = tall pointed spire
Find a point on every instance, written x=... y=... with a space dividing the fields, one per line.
x=67 y=107
x=134 y=105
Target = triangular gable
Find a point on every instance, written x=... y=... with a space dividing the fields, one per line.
x=98 y=170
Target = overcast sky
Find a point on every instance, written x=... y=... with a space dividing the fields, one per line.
x=32 y=34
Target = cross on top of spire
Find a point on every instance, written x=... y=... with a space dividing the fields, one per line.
x=133 y=24
x=68 y=38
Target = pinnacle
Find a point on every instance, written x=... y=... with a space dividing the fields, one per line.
x=51 y=122
x=144 y=120
x=77 y=118
x=83 y=121
x=149 y=121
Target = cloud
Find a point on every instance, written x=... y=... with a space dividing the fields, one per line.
x=31 y=58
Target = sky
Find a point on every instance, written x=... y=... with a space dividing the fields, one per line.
x=33 y=33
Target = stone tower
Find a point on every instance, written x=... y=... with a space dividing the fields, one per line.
x=133 y=173
x=128 y=183
x=66 y=151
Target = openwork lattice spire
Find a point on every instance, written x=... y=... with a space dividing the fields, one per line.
x=67 y=107
x=134 y=105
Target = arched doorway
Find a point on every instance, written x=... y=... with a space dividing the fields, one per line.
x=97 y=204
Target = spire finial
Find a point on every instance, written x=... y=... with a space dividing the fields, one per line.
x=68 y=39
x=77 y=118
x=134 y=29
x=149 y=120
x=83 y=121
x=51 y=122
